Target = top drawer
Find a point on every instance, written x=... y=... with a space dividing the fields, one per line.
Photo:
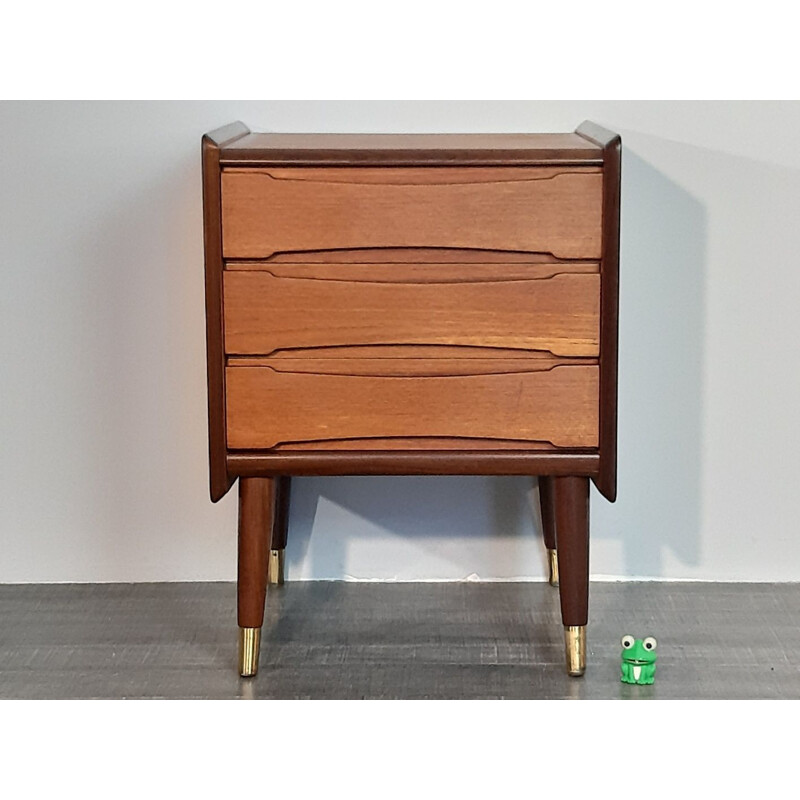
x=553 y=210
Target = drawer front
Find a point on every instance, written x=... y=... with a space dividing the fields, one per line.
x=534 y=209
x=325 y=306
x=267 y=408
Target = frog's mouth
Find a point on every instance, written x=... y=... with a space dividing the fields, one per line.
x=636 y=661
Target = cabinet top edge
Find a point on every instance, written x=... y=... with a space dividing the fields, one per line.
x=437 y=149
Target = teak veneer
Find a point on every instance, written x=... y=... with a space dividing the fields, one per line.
x=411 y=304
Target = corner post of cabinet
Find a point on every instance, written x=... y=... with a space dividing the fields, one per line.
x=611 y=144
x=212 y=144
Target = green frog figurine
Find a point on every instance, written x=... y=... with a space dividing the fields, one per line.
x=638 y=659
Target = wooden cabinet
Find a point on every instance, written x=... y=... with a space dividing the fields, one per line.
x=411 y=304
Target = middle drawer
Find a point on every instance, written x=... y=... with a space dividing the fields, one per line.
x=522 y=307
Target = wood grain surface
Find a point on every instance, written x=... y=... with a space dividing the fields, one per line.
x=437 y=149
x=453 y=444
x=265 y=312
x=390 y=363
x=410 y=266
x=383 y=210
x=611 y=144
x=548 y=511
x=256 y=518
x=571 y=505
x=219 y=479
x=271 y=211
x=283 y=495
x=414 y=462
x=267 y=408
x=410 y=255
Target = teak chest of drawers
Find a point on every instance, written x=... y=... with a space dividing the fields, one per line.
x=411 y=304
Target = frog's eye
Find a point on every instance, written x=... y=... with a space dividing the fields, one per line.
x=627 y=641
x=650 y=643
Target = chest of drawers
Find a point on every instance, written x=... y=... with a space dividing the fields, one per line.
x=411 y=304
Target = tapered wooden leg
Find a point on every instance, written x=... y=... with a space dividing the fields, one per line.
x=280 y=532
x=256 y=516
x=547 y=505
x=572 y=540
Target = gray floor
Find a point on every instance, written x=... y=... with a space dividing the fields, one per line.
x=431 y=640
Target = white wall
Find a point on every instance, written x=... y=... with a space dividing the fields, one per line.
x=104 y=474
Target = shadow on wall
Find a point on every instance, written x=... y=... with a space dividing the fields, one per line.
x=144 y=302
x=422 y=511
x=662 y=332
x=660 y=412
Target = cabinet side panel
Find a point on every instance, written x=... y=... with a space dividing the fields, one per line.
x=609 y=322
x=606 y=480
x=212 y=230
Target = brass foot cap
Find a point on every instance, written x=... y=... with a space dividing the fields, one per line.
x=249 y=647
x=575 y=639
x=552 y=560
x=275 y=571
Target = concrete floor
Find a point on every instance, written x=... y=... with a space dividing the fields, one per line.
x=369 y=640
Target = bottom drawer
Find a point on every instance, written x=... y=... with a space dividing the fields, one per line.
x=267 y=408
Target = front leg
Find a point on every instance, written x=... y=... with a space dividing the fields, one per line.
x=572 y=542
x=256 y=516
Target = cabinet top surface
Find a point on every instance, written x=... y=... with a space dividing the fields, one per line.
x=411 y=149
